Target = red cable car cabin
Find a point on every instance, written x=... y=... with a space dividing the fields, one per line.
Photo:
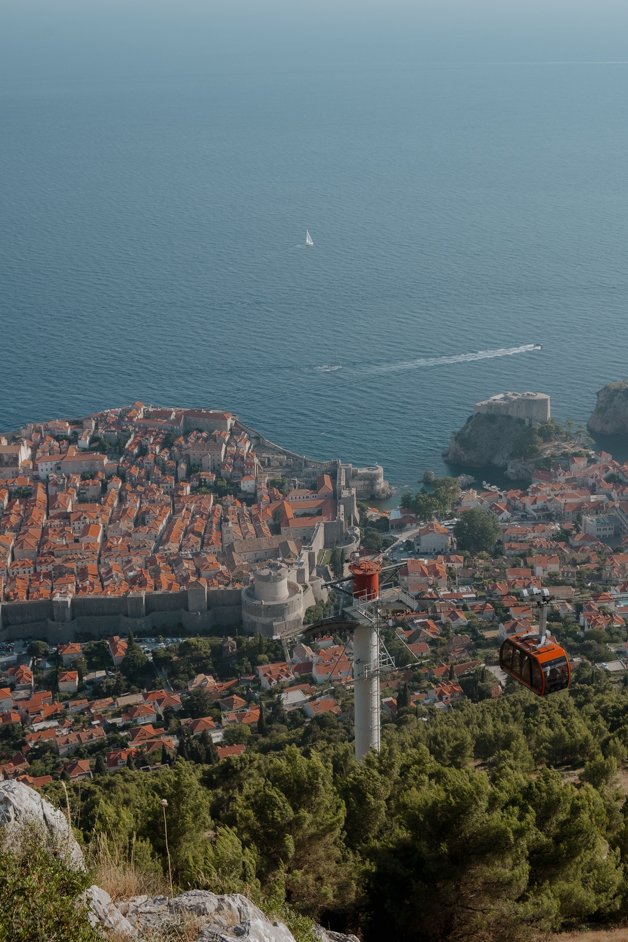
x=543 y=668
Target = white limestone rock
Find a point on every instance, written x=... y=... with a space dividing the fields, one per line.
x=217 y=918
x=326 y=935
x=21 y=806
x=103 y=912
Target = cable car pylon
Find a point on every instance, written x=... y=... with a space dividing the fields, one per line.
x=366 y=655
x=360 y=615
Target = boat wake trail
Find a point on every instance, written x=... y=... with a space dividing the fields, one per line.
x=401 y=365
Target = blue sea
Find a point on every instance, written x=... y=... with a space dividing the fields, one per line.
x=153 y=229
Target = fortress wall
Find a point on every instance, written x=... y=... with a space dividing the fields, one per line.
x=94 y=605
x=101 y=616
x=165 y=601
x=224 y=608
x=156 y=622
x=220 y=598
x=226 y=616
x=25 y=631
x=24 y=613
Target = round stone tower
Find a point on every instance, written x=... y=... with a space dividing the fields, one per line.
x=271 y=583
x=273 y=605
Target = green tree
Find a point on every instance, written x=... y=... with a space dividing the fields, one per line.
x=600 y=771
x=100 y=766
x=262 y=728
x=188 y=820
x=445 y=492
x=476 y=531
x=135 y=666
x=424 y=505
x=294 y=816
x=38 y=649
x=236 y=733
x=199 y=703
x=336 y=562
x=452 y=867
x=403 y=697
x=228 y=866
x=527 y=444
x=364 y=789
x=97 y=655
x=372 y=541
x=407 y=501
x=569 y=859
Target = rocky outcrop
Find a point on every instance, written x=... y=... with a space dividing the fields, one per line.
x=610 y=416
x=206 y=917
x=487 y=439
x=202 y=916
x=21 y=806
x=326 y=935
x=104 y=913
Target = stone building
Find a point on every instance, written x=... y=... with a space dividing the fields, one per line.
x=532 y=407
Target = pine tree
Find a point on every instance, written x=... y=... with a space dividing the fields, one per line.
x=261 y=723
x=403 y=697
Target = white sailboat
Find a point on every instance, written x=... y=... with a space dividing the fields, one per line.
x=309 y=241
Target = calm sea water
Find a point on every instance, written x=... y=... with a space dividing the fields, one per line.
x=152 y=247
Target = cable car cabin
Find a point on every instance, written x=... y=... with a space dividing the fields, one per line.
x=544 y=668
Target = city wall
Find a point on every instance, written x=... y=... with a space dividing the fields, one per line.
x=59 y=620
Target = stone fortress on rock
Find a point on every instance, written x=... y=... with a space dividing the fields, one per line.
x=498 y=433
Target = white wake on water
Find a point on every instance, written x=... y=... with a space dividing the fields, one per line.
x=400 y=365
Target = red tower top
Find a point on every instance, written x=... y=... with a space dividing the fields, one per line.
x=366 y=578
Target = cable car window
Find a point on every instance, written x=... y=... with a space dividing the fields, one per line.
x=516 y=662
x=525 y=669
x=556 y=674
x=537 y=677
x=507 y=653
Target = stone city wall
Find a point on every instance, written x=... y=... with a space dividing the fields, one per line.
x=61 y=620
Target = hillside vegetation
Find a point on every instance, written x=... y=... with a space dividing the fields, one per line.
x=497 y=821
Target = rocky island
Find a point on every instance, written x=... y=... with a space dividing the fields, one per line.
x=610 y=416
x=505 y=431
x=515 y=432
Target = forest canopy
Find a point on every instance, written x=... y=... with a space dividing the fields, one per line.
x=491 y=821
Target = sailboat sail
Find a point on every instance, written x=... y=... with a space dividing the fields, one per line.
x=308 y=238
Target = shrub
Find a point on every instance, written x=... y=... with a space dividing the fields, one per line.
x=39 y=895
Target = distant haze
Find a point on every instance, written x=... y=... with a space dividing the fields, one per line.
x=61 y=39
